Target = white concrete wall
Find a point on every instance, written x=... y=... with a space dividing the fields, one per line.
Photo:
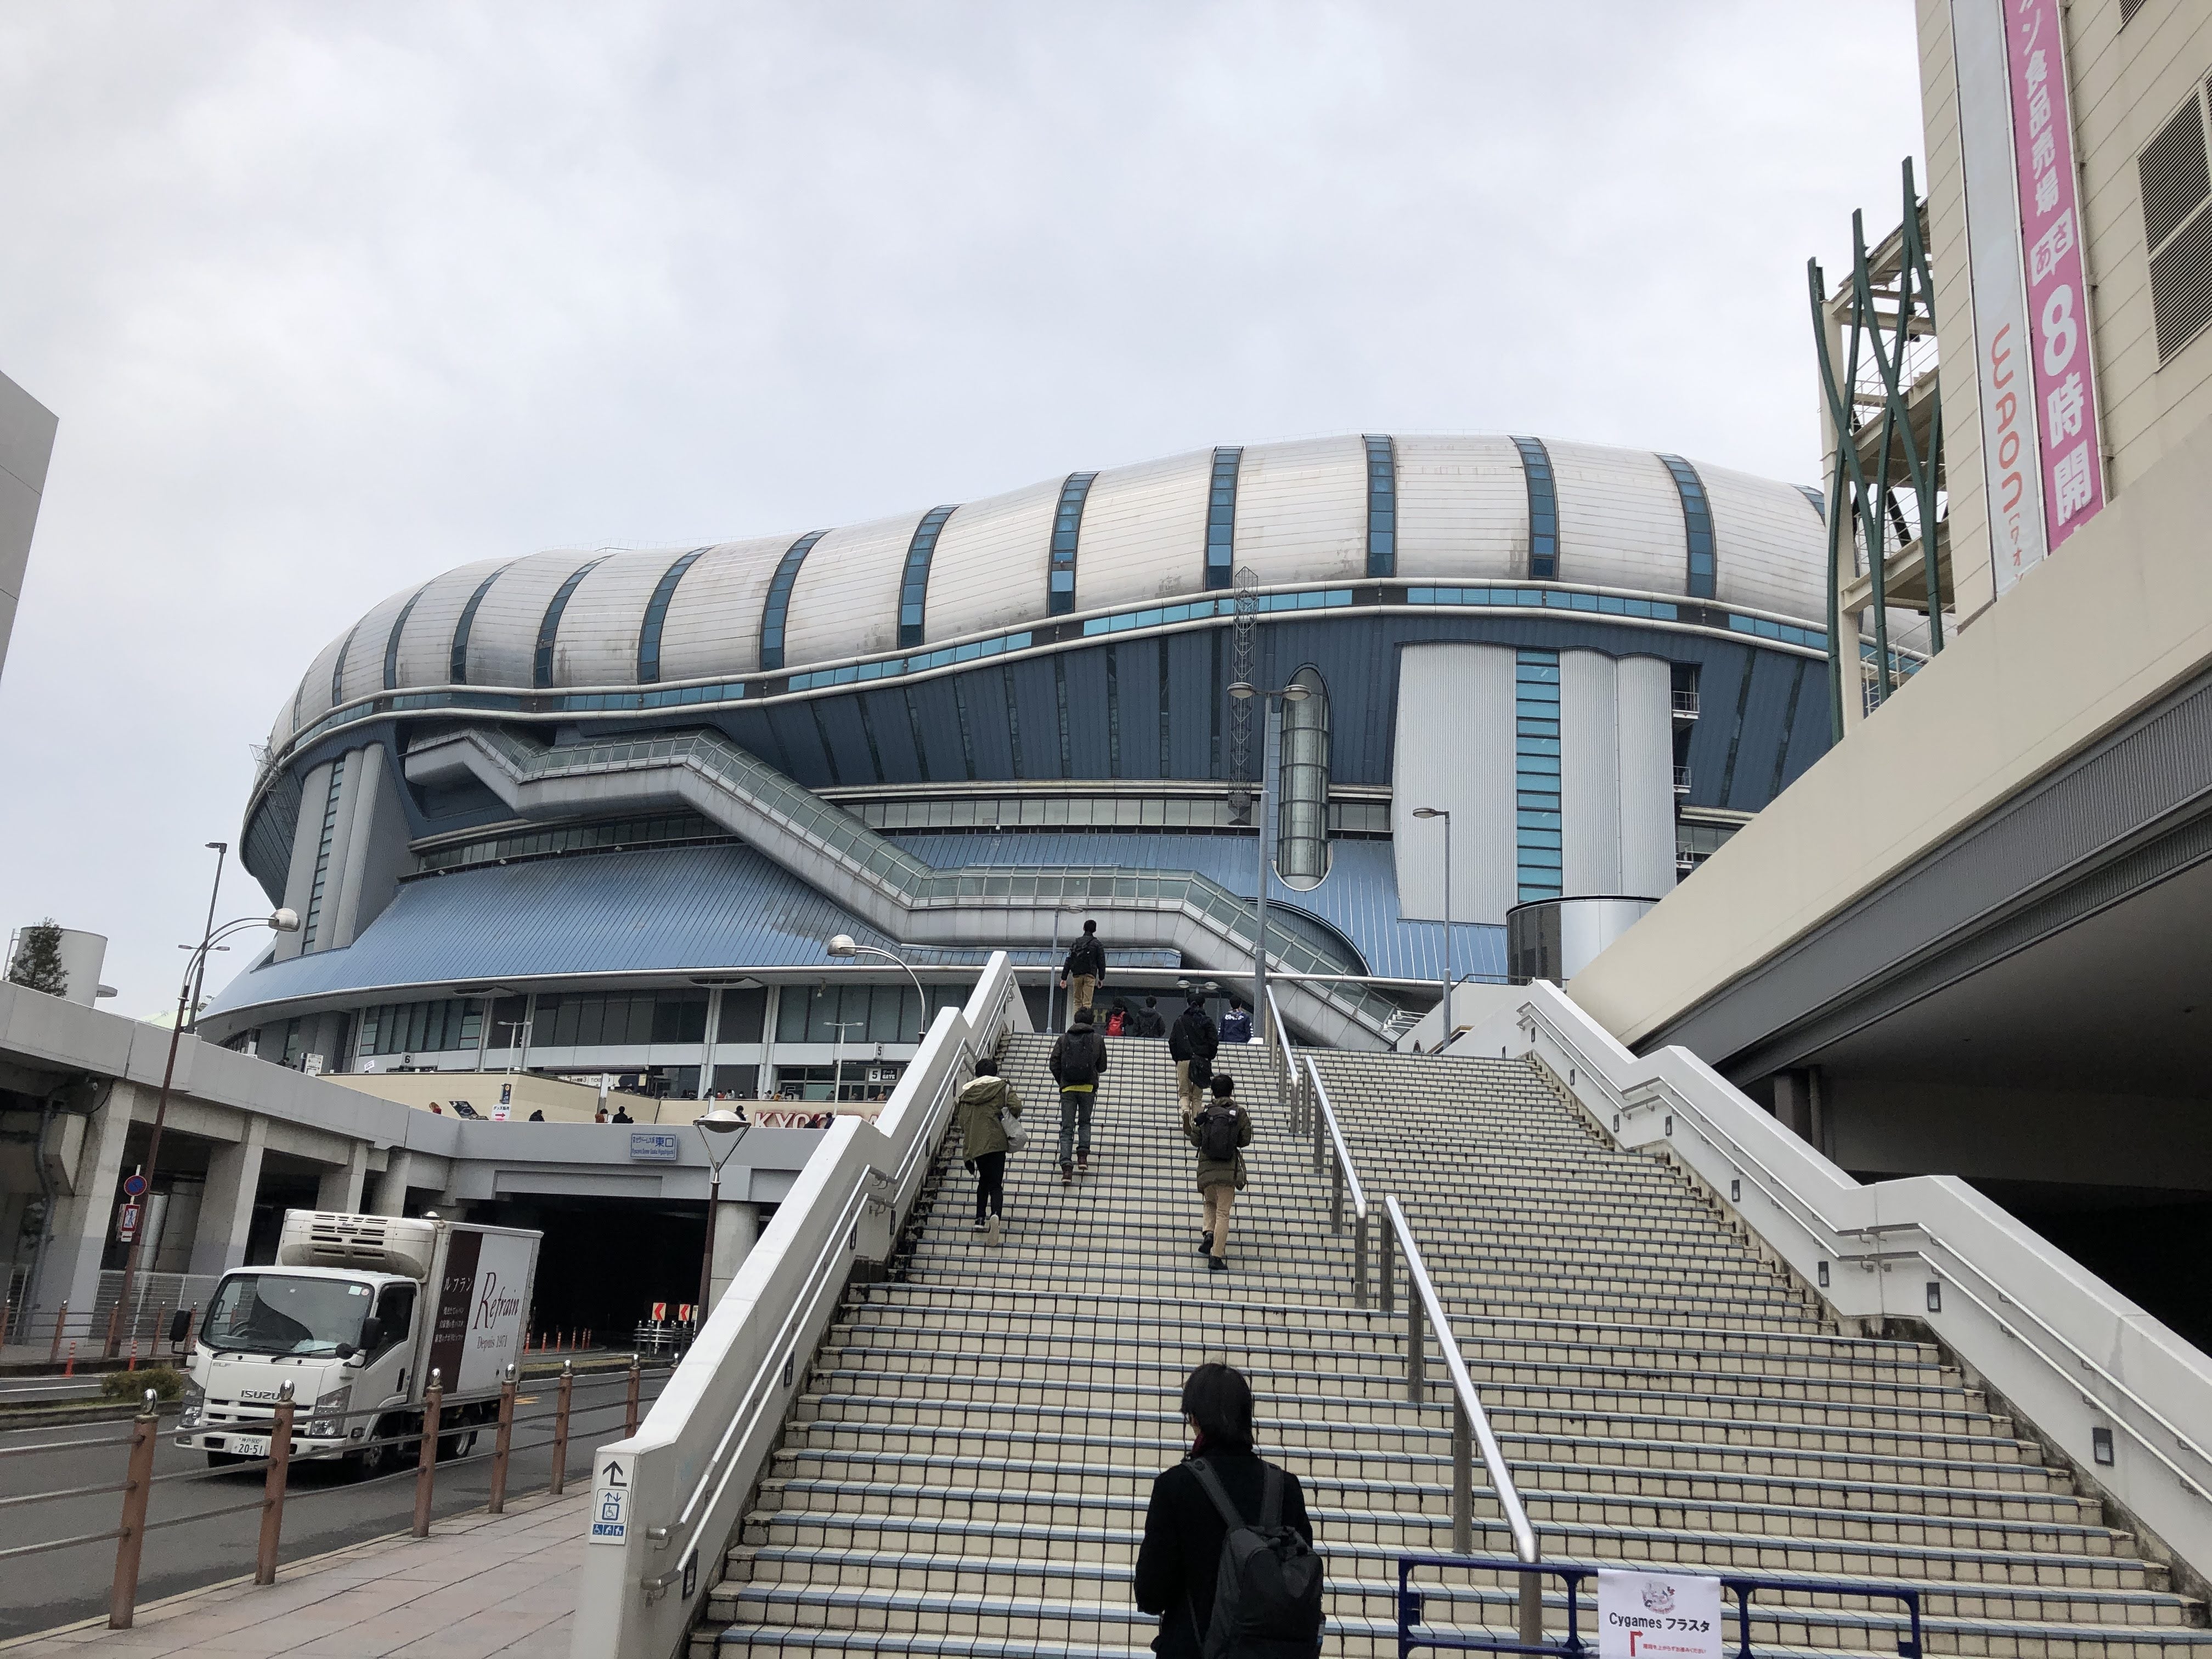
x=27 y=444
x=1454 y=749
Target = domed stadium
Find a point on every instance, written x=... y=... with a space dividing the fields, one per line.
x=599 y=810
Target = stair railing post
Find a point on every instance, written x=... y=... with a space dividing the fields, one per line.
x=426 y=1462
x=629 y=1405
x=1336 y=1194
x=1532 y=1609
x=114 y=1329
x=560 y=1426
x=503 y=1442
x=1462 y=1479
x=54 y=1353
x=1383 y=1265
x=1360 y=1262
x=272 y=1489
x=138 y=1485
x=1417 y=1345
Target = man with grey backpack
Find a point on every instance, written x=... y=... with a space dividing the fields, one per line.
x=1227 y=1562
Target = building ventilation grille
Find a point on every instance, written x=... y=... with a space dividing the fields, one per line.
x=2176 y=183
x=2128 y=10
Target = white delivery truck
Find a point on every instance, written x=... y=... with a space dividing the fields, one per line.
x=355 y=1313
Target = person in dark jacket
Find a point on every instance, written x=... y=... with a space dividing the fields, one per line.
x=1193 y=1038
x=1083 y=971
x=1076 y=1062
x=1180 y=1557
x=1149 y=1023
x=1219 y=1179
x=1237 y=1024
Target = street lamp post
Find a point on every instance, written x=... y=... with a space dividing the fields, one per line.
x=1445 y=813
x=284 y=921
x=844 y=945
x=720 y=1131
x=214 y=892
x=1242 y=689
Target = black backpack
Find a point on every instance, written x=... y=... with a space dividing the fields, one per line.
x=1267 y=1592
x=1217 y=1131
x=1078 y=1053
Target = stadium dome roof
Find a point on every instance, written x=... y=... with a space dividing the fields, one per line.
x=1351 y=508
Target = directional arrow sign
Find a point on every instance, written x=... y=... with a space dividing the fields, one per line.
x=612 y=1475
x=611 y=1503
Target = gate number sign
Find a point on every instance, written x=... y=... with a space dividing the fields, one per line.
x=1653 y=1615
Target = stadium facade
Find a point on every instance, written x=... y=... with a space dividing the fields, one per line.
x=601 y=809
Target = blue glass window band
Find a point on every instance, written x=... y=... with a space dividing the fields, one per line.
x=1697 y=521
x=779 y=599
x=1382 y=505
x=656 y=617
x=549 y=629
x=391 y=639
x=458 y=668
x=1067 y=533
x=1221 y=516
x=1543 y=509
x=337 y=668
x=914 y=582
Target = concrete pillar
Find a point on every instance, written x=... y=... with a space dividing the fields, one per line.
x=737 y=1229
x=340 y=1187
x=226 y=1206
x=392 y=1186
x=83 y=1220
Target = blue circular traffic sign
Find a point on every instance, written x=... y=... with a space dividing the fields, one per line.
x=134 y=1186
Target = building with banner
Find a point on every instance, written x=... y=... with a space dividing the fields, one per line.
x=601 y=809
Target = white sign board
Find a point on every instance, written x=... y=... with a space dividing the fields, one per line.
x=1655 y=1615
x=611 y=1499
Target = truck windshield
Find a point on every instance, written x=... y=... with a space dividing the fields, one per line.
x=278 y=1313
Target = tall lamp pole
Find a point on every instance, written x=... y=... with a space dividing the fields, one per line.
x=199 y=979
x=1445 y=813
x=1242 y=689
x=844 y=945
x=285 y=921
x=720 y=1131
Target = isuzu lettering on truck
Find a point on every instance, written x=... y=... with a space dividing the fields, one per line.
x=355 y=1313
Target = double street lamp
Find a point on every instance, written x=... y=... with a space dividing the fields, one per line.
x=1242 y=691
x=283 y=921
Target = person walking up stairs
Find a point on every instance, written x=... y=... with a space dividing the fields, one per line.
x=1079 y=1060
x=1221 y=1133
x=985 y=1142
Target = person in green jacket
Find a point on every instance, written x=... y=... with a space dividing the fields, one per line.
x=983 y=1143
x=1221 y=1133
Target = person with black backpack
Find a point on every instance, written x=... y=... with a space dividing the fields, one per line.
x=1083 y=971
x=1191 y=1041
x=1227 y=1565
x=1076 y=1062
x=1221 y=1133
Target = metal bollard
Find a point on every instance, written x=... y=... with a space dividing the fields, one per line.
x=54 y=1353
x=561 y=1427
x=7 y=1322
x=1417 y=1344
x=70 y=1369
x=630 y=1406
x=272 y=1492
x=1462 y=1479
x=133 y=1365
x=114 y=1329
x=123 y=1596
x=503 y=1442
x=426 y=1464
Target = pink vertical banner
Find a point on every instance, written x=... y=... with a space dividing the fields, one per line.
x=2069 y=449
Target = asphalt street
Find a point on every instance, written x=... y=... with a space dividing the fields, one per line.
x=324 y=1508
x=46 y=1390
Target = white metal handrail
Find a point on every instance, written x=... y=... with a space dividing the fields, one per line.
x=2101 y=1369
x=1283 y=1058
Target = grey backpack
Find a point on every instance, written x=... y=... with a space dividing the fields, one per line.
x=1267 y=1592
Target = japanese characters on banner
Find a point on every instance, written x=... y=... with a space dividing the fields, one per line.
x=2058 y=286
x=1658 y=1615
x=2043 y=459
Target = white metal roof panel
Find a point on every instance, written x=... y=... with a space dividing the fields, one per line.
x=1621 y=519
x=845 y=603
x=1144 y=532
x=713 y=625
x=989 y=570
x=1462 y=508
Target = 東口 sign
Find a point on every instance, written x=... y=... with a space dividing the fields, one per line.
x=649 y=1146
x=1654 y=1615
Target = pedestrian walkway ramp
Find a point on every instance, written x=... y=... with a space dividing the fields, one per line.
x=962 y=1465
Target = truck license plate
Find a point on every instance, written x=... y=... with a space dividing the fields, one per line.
x=249 y=1446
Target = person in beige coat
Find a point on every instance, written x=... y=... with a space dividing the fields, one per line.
x=983 y=1143
x=1221 y=1133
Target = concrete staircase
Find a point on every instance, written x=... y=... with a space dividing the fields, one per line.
x=966 y=1467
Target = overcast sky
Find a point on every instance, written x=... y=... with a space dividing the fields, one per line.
x=331 y=298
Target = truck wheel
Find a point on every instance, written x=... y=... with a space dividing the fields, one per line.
x=452 y=1446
